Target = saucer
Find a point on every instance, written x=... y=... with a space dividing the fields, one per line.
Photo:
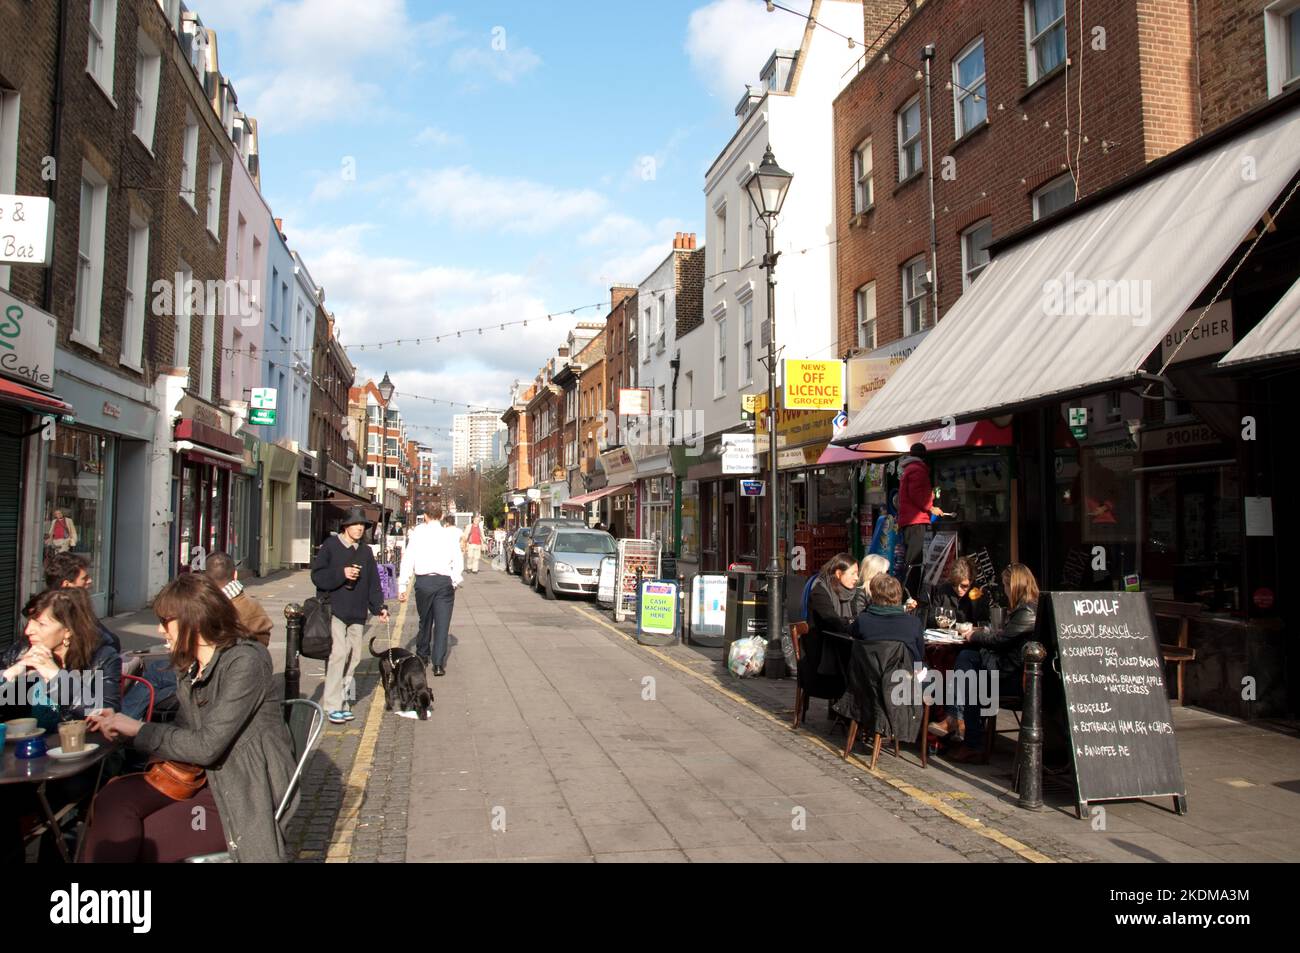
x=58 y=754
x=34 y=733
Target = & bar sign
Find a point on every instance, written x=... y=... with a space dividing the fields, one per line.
x=813 y=385
x=26 y=229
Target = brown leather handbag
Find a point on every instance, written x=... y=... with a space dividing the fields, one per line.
x=176 y=779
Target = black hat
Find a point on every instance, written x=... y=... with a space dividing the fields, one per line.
x=355 y=515
x=918 y=450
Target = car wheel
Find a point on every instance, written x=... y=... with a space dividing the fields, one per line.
x=537 y=578
x=548 y=591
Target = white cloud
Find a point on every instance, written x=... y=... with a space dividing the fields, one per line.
x=615 y=229
x=728 y=42
x=472 y=199
x=438 y=138
x=314 y=53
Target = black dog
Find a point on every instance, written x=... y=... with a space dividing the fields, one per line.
x=404 y=681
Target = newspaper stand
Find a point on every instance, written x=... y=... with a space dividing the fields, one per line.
x=633 y=554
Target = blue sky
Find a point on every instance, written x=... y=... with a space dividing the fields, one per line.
x=449 y=165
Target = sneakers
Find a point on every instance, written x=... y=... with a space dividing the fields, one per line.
x=340 y=717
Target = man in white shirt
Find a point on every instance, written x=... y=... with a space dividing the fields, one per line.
x=434 y=557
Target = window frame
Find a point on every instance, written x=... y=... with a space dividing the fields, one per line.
x=905 y=144
x=214 y=193
x=1050 y=186
x=181 y=356
x=148 y=73
x=190 y=161
x=747 y=340
x=720 y=355
x=135 y=303
x=962 y=93
x=720 y=229
x=908 y=273
x=87 y=313
x=867 y=291
x=101 y=37
x=863 y=172
x=1280 y=34
x=1034 y=74
x=968 y=272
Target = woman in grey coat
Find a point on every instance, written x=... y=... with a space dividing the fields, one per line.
x=229 y=723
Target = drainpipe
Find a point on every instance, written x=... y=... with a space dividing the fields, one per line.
x=676 y=365
x=47 y=298
x=927 y=55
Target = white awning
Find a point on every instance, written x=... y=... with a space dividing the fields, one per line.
x=1278 y=335
x=1084 y=303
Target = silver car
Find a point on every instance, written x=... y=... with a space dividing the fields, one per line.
x=570 y=563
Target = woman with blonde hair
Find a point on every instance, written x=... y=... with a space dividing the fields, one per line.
x=999 y=651
x=873 y=564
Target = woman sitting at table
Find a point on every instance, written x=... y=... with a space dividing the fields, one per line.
x=229 y=723
x=830 y=604
x=885 y=620
x=65 y=664
x=999 y=651
x=872 y=565
x=951 y=600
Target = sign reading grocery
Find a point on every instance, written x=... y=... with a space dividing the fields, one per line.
x=813 y=385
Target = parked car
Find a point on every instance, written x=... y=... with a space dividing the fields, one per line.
x=570 y=561
x=518 y=548
x=541 y=532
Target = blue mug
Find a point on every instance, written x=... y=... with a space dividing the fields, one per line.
x=3 y=731
x=31 y=748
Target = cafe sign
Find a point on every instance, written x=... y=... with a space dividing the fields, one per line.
x=27 y=337
x=26 y=230
x=868 y=373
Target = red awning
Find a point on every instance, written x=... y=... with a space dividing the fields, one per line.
x=979 y=433
x=13 y=393
x=577 y=502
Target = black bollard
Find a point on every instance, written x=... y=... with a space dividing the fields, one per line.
x=292 y=640
x=1029 y=773
x=683 y=609
x=636 y=603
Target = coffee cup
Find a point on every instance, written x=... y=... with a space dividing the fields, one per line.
x=21 y=726
x=72 y=736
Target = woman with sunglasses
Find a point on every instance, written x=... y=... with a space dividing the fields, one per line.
x=230 y=724
x=951 y=601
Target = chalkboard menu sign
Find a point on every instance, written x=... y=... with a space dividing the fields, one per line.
x=1121 y=733
x=668 y=566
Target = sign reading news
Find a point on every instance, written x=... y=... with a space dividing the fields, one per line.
x=813 y=385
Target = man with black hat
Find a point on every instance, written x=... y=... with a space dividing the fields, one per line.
x=915 y=505
x=345 y=574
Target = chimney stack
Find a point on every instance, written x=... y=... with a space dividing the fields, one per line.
x=688 y=241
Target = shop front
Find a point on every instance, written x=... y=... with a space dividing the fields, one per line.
x=618 y=509
x=729 y=520
x=1138 y=464
x=279 y=505
x=207 y=460
x=244 y=509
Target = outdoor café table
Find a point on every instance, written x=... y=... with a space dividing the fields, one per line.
x=41 y=771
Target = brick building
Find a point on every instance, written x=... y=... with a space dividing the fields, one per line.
x=546 y=436
x=329 y=486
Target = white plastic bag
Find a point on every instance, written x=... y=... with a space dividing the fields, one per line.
x=746 y=656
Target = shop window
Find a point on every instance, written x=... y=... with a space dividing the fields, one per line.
x=79 y=500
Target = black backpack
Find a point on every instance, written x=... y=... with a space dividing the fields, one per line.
x=317 y=639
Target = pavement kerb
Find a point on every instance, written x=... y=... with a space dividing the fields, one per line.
x=947 y=810
x=354 y=792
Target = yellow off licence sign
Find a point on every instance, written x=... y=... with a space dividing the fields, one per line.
x=813 y=385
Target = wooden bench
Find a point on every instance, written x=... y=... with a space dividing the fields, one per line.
x=1181 y=653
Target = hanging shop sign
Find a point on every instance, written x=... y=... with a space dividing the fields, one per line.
x=1189 y=338
x=26 y=229
x=868 y=373
x=739 y=453
x=634 y=402
x=1079 y=422
x=813 y=385
x=26 y=342
x=262 y=406
x=753 y=488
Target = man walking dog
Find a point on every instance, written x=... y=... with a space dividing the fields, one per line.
x=345 y=574
x=433 y=555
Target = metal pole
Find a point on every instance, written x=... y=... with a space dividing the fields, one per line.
x=292 y=640
x=928 y=54
x=1029 y=773
x=775 y=659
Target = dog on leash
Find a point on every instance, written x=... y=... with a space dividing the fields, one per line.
x=405 y=685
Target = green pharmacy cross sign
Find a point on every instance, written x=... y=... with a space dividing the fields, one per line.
x=1079 y=422
x=262 y=406
x=259 y=415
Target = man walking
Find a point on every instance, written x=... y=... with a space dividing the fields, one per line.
x=345 y=575
x=221 y=570
x=473 y=543
x=433 y=556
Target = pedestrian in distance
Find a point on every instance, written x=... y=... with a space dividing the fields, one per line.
x=345 y=575
x=473 y=543
x=433 y=557
x=61 y=534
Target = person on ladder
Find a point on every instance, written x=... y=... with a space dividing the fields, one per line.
x=916 y=510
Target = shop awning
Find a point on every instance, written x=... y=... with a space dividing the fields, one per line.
x=578 y=502
x=202 y=454
x=1079 y=305
x=979 y=433
x=1276 y=337
x=16 y=395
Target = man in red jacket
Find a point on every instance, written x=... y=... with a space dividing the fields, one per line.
x=915 y=504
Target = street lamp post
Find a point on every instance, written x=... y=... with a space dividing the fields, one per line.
x=386 y=391
x=767 y=187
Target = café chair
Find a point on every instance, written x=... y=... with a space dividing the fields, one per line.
x=808 y=684
x=306 y=720
x=871 y=682
x=126 y=683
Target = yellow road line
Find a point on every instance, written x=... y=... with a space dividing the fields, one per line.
x=354 y=792
x=929 y=800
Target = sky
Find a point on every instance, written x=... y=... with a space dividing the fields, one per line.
x=450 y=166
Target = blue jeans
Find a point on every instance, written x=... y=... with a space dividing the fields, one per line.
x=161 y=676
x=970 y=660
x=435 y=597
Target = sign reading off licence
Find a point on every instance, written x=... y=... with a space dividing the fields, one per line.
x=814 y=385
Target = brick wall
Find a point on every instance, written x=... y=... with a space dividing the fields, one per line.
x=1230 y=46
x=688 y=276
x=994 y=170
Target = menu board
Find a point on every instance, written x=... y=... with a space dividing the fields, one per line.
x=633 y=554
x=1121 y=733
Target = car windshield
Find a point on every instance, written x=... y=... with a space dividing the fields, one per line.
x=592 y=544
